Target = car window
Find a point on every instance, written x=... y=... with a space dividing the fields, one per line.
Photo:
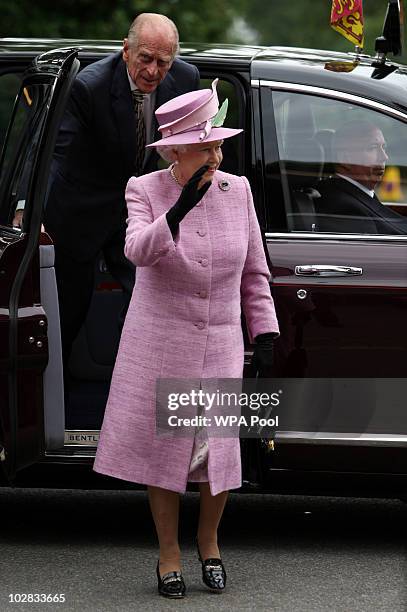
x=20 y=149
x=9 y=87
x=343 y=167
x=232 y=147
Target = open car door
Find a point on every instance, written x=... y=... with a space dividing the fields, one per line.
x=24 y=171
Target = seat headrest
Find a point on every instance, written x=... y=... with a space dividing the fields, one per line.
x=304 y=161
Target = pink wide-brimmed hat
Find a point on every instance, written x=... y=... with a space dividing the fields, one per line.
x=192 y=118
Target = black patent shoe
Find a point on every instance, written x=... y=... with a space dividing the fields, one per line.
x=171 y=584
x=213 y=573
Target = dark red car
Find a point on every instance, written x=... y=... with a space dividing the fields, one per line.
x=340 y=287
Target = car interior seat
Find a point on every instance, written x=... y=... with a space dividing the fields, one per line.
x=325 y=139
x=303 y=167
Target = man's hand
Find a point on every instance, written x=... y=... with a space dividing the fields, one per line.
x=18 y=218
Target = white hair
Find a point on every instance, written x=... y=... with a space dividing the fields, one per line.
x=157 y=23
x=167 y=151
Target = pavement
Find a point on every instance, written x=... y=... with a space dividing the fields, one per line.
x=285 y=553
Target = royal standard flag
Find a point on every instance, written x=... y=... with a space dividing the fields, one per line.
x=347 y=19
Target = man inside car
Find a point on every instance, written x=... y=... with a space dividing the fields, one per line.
x=348 y=203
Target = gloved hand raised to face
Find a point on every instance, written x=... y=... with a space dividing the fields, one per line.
x=190 y=196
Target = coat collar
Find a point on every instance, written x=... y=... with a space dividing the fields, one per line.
x=166 y=90
x=355 y=192
x=124 y=112
x=379 y=213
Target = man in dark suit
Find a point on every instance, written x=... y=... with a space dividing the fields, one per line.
x=348 y=203
x=101 y=144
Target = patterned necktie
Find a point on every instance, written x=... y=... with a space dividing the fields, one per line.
x=138 y=99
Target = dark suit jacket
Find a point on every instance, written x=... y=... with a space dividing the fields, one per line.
x=345 y=208
x=95 y=152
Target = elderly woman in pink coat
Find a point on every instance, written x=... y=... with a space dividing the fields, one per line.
x=194 y=237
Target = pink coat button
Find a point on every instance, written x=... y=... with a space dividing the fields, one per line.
x=204 y=262
x=200 y=325
x=201 y=232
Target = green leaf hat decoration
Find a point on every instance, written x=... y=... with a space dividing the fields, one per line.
x=220 y=116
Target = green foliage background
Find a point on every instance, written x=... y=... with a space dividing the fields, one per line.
x=303 y=23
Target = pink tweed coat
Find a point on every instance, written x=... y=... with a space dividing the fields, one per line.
x=183 y=321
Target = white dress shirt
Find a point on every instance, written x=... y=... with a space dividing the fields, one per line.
x=369 y=192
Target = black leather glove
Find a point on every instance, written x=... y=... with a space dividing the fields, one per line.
x=190 y=196
x=262 y=359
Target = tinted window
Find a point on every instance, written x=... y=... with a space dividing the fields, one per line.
x=343 y=167
x=9 y=86
x=20 y=149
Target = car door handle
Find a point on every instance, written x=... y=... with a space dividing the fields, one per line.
x=327 y=270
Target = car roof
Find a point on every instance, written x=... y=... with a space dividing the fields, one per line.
x=40 y=45
x=344 y=72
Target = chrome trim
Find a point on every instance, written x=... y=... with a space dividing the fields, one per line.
x=326 y=270
x=282 y=437
x=351 y=439
x=333 y=93
x=76 y=453
x=334 y=237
